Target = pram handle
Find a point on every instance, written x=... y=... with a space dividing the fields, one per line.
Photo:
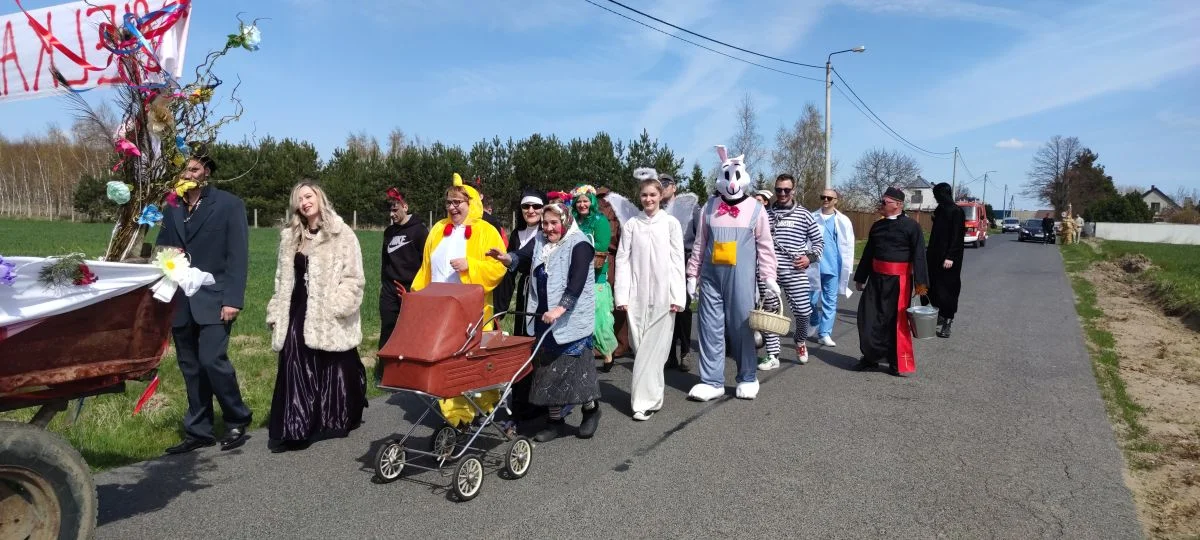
x=473 y=330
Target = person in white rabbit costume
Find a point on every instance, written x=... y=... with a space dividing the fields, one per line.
x=733 y=244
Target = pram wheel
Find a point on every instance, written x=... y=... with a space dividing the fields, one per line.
x=518 y=458
x=443 y=442
x=389 y=461
x=468 y=478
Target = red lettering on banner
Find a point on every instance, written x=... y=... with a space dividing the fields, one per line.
x=82 y=51
x=42 y=53
x=112 y=16
x=8 y=51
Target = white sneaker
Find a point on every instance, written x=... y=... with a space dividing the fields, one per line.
x=770 y=363
x=747 y=390
x=705 y=392
x=642 y=415
x=827 y=341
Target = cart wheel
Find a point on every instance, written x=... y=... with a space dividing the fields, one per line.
x=444 y=441
x=468 y=478
x=519 y=456
x=389 y=461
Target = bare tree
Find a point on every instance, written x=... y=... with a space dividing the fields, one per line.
x=363 y=145
x=874 y=172
x=961 y=191
x=396 y=142
x=800 y=152
x=1048 y=173
x=1185 y=197
x=747 y=141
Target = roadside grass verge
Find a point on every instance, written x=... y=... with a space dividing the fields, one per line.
x=1175 y=280
x=1124 y=412
x=106 y=432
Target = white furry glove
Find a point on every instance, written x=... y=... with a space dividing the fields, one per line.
x=772 y=286
x=691 y=287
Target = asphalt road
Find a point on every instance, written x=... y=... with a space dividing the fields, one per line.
x=1001 y=433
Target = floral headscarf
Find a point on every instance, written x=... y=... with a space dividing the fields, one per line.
x=587 y=224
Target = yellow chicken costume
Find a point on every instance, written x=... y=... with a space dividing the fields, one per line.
x=481 y=270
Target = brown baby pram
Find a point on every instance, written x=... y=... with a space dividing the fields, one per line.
x=441 y=351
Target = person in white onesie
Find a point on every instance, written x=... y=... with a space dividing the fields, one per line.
x=650 y=287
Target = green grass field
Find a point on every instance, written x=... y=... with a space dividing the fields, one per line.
x=107 y=433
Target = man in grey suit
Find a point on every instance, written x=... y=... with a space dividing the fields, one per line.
x=210 y=225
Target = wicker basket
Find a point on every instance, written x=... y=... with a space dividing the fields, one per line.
x=766 y=321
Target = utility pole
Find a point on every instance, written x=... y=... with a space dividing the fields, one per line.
x=828 y=85
x=1004 y=201
x=954 y=176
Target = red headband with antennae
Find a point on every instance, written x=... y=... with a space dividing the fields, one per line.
x=394 y=194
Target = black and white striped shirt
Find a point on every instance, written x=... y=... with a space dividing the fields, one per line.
x=795 y=233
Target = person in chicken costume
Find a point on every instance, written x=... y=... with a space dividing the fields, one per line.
x=733 y=244
x=456 y=252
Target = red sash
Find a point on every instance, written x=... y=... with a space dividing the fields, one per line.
x=905 y=362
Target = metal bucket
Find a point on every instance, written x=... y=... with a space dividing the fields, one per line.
x=923 y=320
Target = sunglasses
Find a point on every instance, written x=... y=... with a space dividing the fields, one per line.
x=783 y=190
x=828 y=198
x=527 y=206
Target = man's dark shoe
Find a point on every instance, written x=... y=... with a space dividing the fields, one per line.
x=893 y=371
x=190 y=444
x=591 y=421
x=865 y=364
x=234 y=438
x=944 y=331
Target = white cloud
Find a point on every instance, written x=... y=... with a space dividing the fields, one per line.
x=948 y=9
x=1015 y=144
x=1174 y=119
x=1132 y=45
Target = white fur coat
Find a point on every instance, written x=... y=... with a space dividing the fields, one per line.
x=335 y=289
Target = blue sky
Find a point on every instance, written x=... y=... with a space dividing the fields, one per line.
x=995 y=79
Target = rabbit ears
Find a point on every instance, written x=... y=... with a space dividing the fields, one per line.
x=726 y=160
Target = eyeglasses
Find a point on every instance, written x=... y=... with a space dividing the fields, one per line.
x=454 y=202
x=528 y=206
x=783 y=190
x=828 y=198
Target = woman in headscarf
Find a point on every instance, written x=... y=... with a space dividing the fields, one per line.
x=585 y=208
x=945 y=256
x=561 y=292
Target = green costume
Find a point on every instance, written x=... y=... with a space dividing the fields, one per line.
x=595 y=226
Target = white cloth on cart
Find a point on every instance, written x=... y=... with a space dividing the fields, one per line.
x=28 y=300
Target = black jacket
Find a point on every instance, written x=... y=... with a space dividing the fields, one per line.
x=401 y=256
x=216 y=238
x=1048 y=224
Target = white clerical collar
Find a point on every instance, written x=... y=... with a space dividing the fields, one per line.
x=892 y=217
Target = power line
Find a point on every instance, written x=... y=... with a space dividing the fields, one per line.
x=885 y=124
x=661 y=31
x=704 y=37
x=966 y=168
x=876 y=122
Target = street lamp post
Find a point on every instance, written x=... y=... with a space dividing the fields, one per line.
x=828 y=85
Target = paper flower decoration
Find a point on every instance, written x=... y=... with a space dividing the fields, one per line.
x=118 y=192
x=200 y=95
x=182 y=186
x=171 y=262
x=8 y=272
x=248 y=37
x=150 y=215
x=172 y=199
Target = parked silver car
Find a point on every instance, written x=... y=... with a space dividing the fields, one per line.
x=1011 y=224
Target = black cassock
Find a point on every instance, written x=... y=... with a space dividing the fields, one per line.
x=892 y=262
x=946 y=242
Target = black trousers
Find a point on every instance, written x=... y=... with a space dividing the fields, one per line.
x=202 y=352
x=944 y=287
x=681 y=336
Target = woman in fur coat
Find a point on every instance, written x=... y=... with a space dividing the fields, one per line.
x=320 y=390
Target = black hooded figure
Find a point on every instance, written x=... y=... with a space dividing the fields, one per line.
x=945 y=255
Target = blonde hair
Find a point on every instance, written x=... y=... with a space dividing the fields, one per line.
x=296 y=221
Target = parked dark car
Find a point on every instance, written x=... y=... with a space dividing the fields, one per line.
x=1031 y=231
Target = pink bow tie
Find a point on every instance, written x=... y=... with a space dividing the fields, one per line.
x=726 y=208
